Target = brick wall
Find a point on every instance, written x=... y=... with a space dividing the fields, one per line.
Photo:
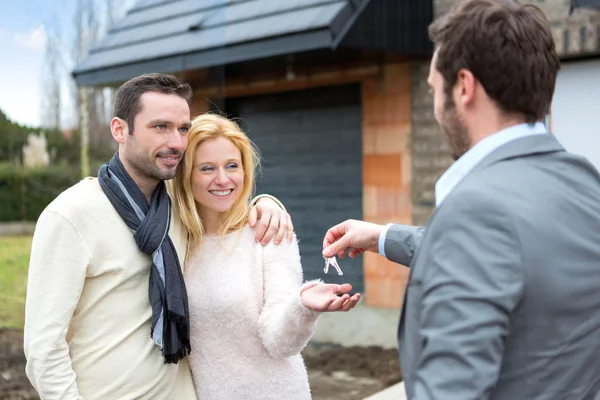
x=387 y=174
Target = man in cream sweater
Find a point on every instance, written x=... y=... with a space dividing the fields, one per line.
x=106 y=311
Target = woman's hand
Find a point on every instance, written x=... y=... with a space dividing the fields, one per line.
x=327 y=297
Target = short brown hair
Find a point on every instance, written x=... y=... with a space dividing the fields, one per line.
x=507 y=46
x=127 y=99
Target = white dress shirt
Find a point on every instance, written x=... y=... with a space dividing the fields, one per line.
x=465 y=164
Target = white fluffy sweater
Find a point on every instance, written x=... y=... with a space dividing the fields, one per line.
x=248 y=325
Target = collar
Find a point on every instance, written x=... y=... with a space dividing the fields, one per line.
x=465 y=164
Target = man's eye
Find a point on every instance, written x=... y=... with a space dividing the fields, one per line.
x=161 y=127
x=184 y=130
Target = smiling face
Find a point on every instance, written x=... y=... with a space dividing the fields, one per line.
x=218 y=176
x=155 y=147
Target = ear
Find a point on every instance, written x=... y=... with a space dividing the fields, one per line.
x=465 y=87
x=119 y=129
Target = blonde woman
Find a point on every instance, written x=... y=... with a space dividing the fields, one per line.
x=250 y=312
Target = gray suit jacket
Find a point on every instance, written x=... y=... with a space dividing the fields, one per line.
x=503 y=299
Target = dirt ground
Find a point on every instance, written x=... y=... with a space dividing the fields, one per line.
x=334 y=372
x=350 y=373
x=13 y=381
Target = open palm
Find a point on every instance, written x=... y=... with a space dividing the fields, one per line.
x=329 y=297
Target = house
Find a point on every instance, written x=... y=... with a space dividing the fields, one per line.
x=322 y=87
x=334 y=94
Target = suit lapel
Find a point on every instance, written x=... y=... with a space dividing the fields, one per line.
x=526 y=146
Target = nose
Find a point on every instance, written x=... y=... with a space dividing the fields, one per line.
x=177 y=141
x=221 y=178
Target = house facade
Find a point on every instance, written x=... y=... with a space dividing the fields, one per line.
x=334 y=94
x=322 y=87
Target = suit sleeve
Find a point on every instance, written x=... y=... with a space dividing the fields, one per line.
x=401 y=242
x=469 y=289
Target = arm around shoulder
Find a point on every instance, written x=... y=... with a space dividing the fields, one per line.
x=286 y=324
x=57 y=270
x=267 y=196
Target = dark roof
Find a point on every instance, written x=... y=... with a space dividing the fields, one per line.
x=593 y=4
x=177 y=35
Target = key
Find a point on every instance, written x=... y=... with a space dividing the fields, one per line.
x=332 y=261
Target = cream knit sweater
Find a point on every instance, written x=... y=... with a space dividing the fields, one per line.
x=248 y=324
x=88 y=316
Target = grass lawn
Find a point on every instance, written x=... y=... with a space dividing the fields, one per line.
x=14 y=261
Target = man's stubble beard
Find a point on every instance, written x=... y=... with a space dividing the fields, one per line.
x=455 y=129
x=146 y=166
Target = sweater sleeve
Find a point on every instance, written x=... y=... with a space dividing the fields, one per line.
x=285 y=324
x=268 y=196
x=57 y=271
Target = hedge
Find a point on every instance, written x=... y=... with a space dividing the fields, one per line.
x=24 y=193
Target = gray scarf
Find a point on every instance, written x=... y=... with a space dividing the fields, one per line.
x=150 y=226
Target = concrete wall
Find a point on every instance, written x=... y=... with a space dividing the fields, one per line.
x=430 y=149
x=575 y=120
x=17 y=228
x=363 y=326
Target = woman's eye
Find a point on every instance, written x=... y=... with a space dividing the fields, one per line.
x=232 y=166
x=206 y=169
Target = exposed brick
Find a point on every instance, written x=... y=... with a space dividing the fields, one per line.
x=385 y=137
x=385 y=292
x=382 y=170
x=396 y=219
x=387 y=173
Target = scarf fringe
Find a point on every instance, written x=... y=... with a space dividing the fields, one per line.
x=183 y=335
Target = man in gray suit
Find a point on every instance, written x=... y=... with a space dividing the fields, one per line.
x=503 y=299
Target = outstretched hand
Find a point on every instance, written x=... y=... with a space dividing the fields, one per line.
x=353 y=236
x=324 y=297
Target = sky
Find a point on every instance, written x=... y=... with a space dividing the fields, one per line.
x=22 y=40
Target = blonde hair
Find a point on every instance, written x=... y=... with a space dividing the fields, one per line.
x=205 y=127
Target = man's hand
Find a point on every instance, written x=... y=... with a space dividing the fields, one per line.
x=324 y=297
x=356 y=236
x=273 y=222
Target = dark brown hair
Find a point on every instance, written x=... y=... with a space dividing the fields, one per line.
x=127 y=99
x=507 y=46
